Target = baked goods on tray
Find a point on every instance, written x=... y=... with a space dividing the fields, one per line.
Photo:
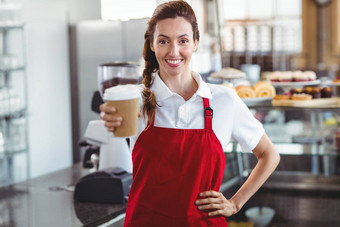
x=281 y=97
x=228 y=73
x=245 y=91
x=261 y=89
x=301 y=97
x=292 y=76
x=264 y=90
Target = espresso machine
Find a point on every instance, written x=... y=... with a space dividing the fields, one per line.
x=108 y=157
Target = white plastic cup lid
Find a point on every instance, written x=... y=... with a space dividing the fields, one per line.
x=122 y=92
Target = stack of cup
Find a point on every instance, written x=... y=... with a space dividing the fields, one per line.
x=125 y=98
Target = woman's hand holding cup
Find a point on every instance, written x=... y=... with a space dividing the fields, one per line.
x=107 y=114
x=121 y=108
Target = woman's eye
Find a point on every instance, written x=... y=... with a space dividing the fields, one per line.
x=163 y=42
x=184 y=41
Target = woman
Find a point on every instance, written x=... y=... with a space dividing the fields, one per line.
x=178 y=159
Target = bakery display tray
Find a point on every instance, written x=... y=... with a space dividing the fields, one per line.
x=302 y=83
x=332 y=102
x=254 y=102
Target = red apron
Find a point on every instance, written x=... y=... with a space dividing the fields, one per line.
x=170 y=168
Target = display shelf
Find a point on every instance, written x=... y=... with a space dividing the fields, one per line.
x=330 y=83
x=296 y=84
x=17 y=114
x=265 y=103
x=18 y=68
x=12 y=26
x=13 y=102
x=9 y=153
x=258 y=102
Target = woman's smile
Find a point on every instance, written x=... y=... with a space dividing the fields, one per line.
x=174 y=63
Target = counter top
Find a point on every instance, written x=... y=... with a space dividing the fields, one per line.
x=48 y=201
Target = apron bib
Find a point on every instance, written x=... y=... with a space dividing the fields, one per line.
x=170 y=168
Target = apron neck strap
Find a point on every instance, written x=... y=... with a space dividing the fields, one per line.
x=208 y=114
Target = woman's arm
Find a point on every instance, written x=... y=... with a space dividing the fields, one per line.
x=268 y=159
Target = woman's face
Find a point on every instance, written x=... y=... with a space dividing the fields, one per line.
x=173 y=45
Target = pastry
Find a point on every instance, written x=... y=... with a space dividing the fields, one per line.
x=310 y=74
x=300 y=76
x=307 y=90
x=264 y=90
x=281 y=97
x=313 y=91
x=295 y=91
x=301 y=97
x=286 y=76
x=245 y=91
x=292 y=76
x=275 y=76
x=326 y=92
x=229 y=73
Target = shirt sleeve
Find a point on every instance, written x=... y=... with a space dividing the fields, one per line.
x=246 y=130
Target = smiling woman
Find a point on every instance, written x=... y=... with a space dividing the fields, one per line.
x=178 y=158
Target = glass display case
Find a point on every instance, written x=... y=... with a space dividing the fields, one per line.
x=14 y=152
x=308 y=173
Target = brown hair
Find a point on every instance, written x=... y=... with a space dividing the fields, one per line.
x=171 y=9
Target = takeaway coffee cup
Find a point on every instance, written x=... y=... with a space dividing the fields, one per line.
x=125 y=98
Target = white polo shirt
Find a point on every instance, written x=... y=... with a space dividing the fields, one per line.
x=232 y=120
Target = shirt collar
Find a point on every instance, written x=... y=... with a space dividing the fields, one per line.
x=163 y=92
x=203 y=89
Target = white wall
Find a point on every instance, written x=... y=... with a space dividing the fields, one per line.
x=47 y=55
x=48 y=85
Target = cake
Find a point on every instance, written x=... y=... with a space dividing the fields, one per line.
x=300 y=76
x=311 y=75
x=313 y=91
x=281 y=97
x=292 y=76
x=275 y=76
x=286 y=76
x=326 y=92
x=228 y=73
x=295 y=91
x=301 y=97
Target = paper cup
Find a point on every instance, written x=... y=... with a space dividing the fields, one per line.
x=125 y=98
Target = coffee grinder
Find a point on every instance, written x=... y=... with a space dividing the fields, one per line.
x=113 y=151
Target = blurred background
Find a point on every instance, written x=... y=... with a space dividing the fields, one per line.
x=50 y=52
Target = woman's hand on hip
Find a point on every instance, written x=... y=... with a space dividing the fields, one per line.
x=107 y=114
x=216 y=204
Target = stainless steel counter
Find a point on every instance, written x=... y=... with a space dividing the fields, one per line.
x=48 y=201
